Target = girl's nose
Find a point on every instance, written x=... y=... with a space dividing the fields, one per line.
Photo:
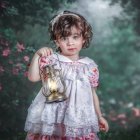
x=69 y=41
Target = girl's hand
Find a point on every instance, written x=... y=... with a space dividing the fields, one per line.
x=45 y=51
x=103 y=124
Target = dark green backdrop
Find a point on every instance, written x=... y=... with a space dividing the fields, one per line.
x=115 y=48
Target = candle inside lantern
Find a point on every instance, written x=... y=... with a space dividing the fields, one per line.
x=52 y=85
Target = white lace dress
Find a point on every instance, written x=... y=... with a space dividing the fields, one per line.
x=75 y=116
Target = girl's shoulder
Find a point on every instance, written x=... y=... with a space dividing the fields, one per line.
x=88 y=61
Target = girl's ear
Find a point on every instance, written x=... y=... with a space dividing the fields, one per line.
x=57 y=46
x=84 y=41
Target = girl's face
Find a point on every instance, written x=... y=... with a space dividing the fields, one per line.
x=70 y=46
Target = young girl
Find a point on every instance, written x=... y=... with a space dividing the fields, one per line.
x=78 y=117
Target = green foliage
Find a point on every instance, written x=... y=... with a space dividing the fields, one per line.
x=132 y=9
x=121 y=134
x=24 y=29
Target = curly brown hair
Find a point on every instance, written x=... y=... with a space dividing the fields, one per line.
x=61 y=25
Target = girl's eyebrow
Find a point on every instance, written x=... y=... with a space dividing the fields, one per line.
x=76 y=34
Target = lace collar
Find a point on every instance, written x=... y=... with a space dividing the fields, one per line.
x=63 y=58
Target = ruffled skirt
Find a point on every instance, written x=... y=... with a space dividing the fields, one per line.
x=30 y=136
x=69 y=119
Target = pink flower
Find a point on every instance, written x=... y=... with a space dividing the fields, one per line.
x=1 y=69
x=26 y=58
x=112 y=118
x=0 y=87
x=3 y=4
x=15 y=71
x=121 y=116
x=6 y=52
x=10 y=62
x=18 y=65
x=92 y=135
x=43 y=62
x=136 y=112
x=20 y=47
x=95 y=70
x=123 y=122
x=26 y=73
x=4 y=42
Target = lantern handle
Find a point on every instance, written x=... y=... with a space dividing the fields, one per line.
x=60 y=70
x=42 y=74
x=42 y=77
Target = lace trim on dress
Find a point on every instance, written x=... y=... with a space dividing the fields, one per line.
x=78 y=122
x=87 y=73
x=31 y=136
x=60 y=130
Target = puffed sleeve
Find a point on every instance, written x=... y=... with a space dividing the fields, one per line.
x=94 y=75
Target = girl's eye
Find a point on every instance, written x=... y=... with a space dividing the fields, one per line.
x=63 y=38
x=75 y=37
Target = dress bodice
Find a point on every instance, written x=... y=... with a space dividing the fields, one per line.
x=84 y=69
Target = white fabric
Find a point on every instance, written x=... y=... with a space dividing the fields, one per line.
x=77 y=113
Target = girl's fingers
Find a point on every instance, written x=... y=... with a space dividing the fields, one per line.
x=104 y=126
x=48 y=51
x=45 y=51
x=107 y=126
x=51 y=50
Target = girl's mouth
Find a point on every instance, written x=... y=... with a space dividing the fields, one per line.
x=72 y=49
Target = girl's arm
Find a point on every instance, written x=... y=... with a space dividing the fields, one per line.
x=102 y=121
x=33 y=72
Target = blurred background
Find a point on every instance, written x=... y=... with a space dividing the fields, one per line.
x=115 y=48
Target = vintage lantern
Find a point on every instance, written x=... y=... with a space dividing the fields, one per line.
x=53 y=84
